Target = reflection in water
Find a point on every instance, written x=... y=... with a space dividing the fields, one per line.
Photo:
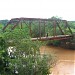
x=66 y=60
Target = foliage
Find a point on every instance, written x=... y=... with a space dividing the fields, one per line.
x=56 y=18
x=23 y=55
x=3 y=57
x=72 y=25
x=53 y=42
x=35 y=32
x=1 y=26
x=3 y=22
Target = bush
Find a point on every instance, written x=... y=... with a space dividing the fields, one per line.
x=24 y=55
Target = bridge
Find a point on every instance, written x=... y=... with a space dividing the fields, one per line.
x=42 y=29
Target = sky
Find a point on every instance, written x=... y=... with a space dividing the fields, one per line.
x=37 y=9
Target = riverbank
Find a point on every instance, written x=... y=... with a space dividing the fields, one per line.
x=66 y=60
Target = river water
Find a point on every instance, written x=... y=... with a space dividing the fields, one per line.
x=66 y=60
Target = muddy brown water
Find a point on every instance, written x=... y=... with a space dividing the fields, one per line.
x=66 y=60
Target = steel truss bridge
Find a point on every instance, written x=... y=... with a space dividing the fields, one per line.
x=45 y=29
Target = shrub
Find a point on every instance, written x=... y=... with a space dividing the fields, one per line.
x=24 y=55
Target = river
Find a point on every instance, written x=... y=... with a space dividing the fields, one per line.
x=66 y=60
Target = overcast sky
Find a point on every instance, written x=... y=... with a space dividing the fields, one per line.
x=37 y=8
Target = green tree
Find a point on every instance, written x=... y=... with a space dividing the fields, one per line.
x=4 y=67
x=56 y=18
x=25 y=57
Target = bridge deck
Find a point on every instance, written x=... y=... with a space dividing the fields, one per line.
x=59 y=37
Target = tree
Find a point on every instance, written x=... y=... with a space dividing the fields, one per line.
x=4 y=68
x=4 y=22
x=25 y=57
x=56 y=18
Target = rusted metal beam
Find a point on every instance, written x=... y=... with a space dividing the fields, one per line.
x=60 y=28
x=37 y=19
x=61 y=37
x=44 y=29
x=26 y=23
x=40 y=29
x=15 y=20
x=30 y=28
x=6 y=25
x=21 y=25
x=68 y=27
x=54 y=27
x=15 y=25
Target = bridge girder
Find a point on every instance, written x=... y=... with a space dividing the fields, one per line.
x=16 y=21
